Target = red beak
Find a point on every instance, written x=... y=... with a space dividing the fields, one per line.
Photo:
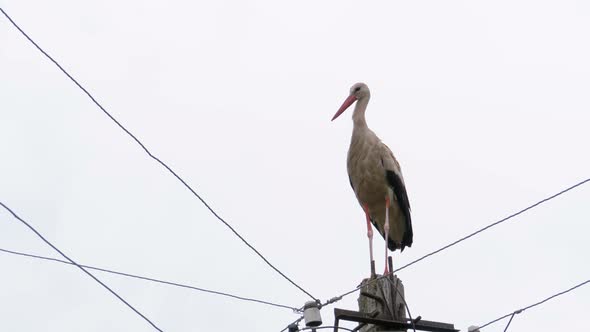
x=346 y=104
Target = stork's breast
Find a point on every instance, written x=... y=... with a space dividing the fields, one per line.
x=367 y=176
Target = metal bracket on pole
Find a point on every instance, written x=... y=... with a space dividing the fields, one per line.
x=361 y=317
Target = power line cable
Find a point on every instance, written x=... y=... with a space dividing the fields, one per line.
x=394 y=286
x=79 y=266
x=516 y=312
x=337 y=298
x=509 y=321
x=154 y=157
x=151 y=279
x=496 y=223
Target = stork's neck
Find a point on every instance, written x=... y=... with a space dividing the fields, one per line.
x=358 y=117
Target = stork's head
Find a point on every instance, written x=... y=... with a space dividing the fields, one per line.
x=357 y=92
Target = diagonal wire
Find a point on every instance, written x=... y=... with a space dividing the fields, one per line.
x=495 y=223
x=337 y=298
x=516 y=312
x=509 y=321
x=79 y=266
x=151 y=279
x=394 y=286
x=152 y=156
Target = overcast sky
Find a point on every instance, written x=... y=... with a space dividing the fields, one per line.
x=485 y=105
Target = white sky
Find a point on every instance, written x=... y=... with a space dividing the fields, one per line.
x=485 y=105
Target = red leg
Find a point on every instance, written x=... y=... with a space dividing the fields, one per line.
x=386 y=229
x=369 y=235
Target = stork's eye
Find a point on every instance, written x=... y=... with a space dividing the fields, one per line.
x=357 y=89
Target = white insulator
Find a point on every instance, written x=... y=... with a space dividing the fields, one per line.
x=311 y=314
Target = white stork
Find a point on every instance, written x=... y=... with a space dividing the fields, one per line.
x=376 y=178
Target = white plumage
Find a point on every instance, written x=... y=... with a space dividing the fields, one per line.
x=376 y=177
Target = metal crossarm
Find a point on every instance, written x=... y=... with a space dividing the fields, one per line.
x=366 y=318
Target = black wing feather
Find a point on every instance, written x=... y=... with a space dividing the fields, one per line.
x=402 y=198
